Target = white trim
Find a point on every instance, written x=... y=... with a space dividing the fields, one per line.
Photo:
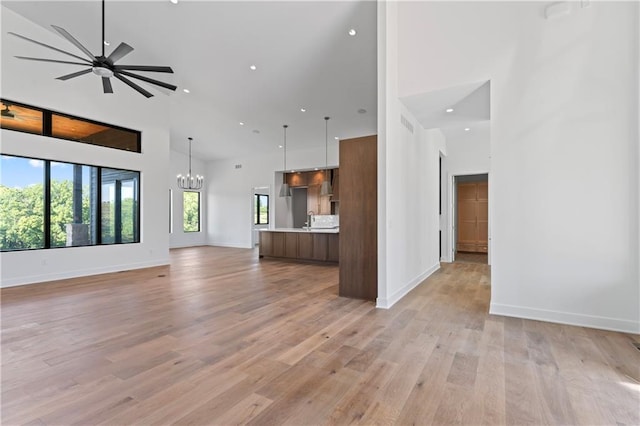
x=187 y=244
x=389 y=302
x=569 y=318
x=79 y=273
x=450 y=257
x=230 y=245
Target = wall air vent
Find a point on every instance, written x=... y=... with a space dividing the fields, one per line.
x=406 y=123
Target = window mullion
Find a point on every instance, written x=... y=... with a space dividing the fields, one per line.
x=47 y=204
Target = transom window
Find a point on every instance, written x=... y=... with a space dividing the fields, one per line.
x=40 y=121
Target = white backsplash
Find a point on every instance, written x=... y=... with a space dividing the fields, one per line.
x=325 y=221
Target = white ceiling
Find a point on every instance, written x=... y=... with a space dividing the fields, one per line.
x=302 y=51
x=470 y=104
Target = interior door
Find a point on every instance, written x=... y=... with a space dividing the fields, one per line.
x=473 y=217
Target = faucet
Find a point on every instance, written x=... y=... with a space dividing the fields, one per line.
x=310 y=214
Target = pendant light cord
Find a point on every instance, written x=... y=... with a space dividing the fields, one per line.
x=285 y=147
x=102 y=42
x=326 y=146
x=190 y=139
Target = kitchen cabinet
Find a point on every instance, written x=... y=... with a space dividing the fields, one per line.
x=278 y=245
x=320 y=247
x=290 y=244
x=300 y=245
x=333 y=248
x=297 y=179
x=305 y=246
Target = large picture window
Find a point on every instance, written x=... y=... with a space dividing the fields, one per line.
x=261 y=209
x=49 y=204
x=191 y=211
x=21 y=203
x=73 y=204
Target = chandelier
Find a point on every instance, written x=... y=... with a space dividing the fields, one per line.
x=190 y=181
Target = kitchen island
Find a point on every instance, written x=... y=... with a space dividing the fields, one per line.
x=313 y=244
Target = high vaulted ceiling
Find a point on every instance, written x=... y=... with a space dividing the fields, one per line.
x=302 y=51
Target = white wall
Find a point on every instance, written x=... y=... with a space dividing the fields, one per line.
x=179 y=164
x=33 y=83
x=230 y=192
x=564 y=147
x=466 y=153
x=408 y=222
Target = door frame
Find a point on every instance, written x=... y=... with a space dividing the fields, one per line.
x=452 y=210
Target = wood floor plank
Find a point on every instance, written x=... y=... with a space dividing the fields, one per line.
x=220 y=337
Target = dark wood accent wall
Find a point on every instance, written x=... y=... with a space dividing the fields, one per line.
x=359 y=218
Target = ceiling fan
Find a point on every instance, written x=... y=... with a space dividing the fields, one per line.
x=103 y=66
x=7 y=113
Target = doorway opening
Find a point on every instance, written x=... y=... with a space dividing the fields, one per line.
x=470 y=230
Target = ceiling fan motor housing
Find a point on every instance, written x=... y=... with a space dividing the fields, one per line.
x=102 y=67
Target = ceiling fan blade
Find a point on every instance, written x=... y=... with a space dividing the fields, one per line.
x=106 y=85
x=133 y=85
x=143 y=68
x=122 y=50
x=148 y=80
x=50 y=47
x=51 y=60
x=69 y=37
x=75 y=74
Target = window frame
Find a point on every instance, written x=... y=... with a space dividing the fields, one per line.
x=96 y=227
x=199 y=212
x=257 y=205
x=47 y=122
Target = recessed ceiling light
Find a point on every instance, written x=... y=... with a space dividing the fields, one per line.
x=337 y=138
x=316 y=169
x=352 y=32
x=106 y=43
x=174 y=1
x=186 y=90
x=466 y=129
x=241 y=123
x=449 y=110
x=253 y=68
x=279 y=146
x=303 y=110
x=293 y=171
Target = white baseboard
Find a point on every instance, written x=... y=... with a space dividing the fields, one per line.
x=390 y=301
x=34 y=279
x=569 y=318
x=230 y=245
x=185 y=245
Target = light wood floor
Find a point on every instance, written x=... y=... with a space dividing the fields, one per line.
x=222 y=338
x=472 y=257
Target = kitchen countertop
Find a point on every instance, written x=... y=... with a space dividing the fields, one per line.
x=311 y=230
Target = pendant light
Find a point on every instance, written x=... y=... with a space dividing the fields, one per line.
x=285 y=191
x=325 y=189
x=190 y=181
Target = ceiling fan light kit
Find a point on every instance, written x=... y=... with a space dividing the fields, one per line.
x=103 y=66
